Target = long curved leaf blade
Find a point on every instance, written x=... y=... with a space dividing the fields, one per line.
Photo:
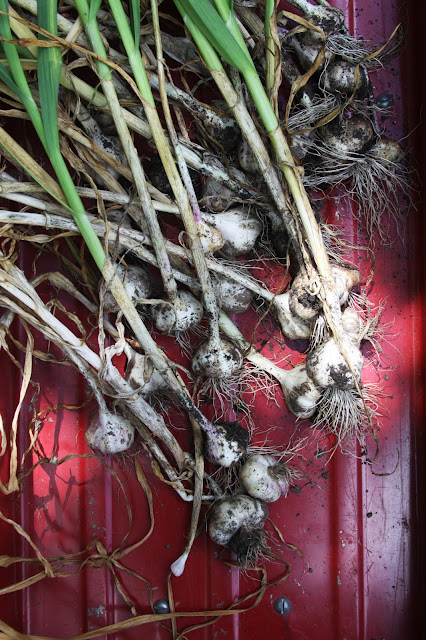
x=135 y=20
x=49 y=66
x=95 y=5
x=215 y=30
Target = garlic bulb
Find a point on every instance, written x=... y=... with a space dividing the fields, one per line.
x=306 y=50
x=239 y=228
x=185 y=314
x=300 y=391
x=226 y=443
x=347 y=136
x=237 y=522
x=216 y=359
x=327 y=367
x=292 y=327
x=232 y=297
x=387 y=150
x=235 y=512
x=264 y=478
x=339 y=77
x=330 y=19
x=109 y=433
x=303 y=302
x=136 y=282
x=215 y=195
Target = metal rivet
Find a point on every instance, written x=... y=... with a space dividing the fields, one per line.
x=161 y=606
x=282 y=606
x=384 y=101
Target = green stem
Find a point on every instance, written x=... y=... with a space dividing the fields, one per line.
x=226 y=12
x=18 y=73
x=158 y=358
x=181 y=195
x=261 y=100
x=88 y=19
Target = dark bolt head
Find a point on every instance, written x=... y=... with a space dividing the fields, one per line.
x=282 y=606
x=161 y=606
x=384 y=101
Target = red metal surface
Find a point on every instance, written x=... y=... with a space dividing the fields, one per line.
x=359 y=571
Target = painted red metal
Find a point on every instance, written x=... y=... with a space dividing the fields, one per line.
x=354 y=531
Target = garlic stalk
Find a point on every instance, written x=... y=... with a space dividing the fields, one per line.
x=213 y=35
x=141 y=375
x=215 y=355
x=196 y=157
x=17 y=295
x=300 y=392
x=170 y=286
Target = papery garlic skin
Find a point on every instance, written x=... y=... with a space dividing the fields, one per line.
x=211 y=238
x=240 y=230
x=142 y=375
x=185 y=314
x=328 y=368
x=136 y=282
x=109 y=433
x=217 y=359
x=265 y=478
x=233 y=513
x=226 y=443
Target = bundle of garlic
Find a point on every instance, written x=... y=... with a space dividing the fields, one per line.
x=188 y=231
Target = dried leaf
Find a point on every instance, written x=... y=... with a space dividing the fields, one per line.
x=46 y=564
x=12 y=484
